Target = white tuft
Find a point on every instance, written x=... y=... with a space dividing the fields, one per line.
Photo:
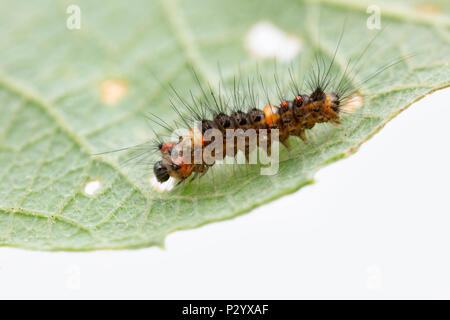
x=92 y=187
x=352 y=103
x=265 y=40
x=162 y=187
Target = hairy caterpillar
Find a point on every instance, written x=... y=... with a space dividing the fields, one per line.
x=290 y=118
x=328 y=97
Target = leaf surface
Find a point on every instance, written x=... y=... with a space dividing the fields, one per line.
x=67 y=94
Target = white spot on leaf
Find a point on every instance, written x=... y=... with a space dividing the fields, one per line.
x=92 y=187
x=265 y=40
x=428 y=8
x=162 y=187
x=111 y=91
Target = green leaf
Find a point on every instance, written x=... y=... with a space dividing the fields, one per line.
x=66 y=94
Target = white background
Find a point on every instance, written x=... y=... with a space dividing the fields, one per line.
x=375 y=225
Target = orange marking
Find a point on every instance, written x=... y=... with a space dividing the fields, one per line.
x=196 y=136
x=166 y=147
x=271 y=114
x=185 y=170
x=327 y=105
x=298 y=99
x=327 y=101
x=284 y=104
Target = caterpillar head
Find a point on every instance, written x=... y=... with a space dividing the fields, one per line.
x=162 y=168
x=161 y=172
x=172 y=163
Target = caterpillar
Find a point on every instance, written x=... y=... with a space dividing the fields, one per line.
x=290 y=118
x=214 y=121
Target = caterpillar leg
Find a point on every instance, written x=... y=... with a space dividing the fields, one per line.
x=302 y=136
x=203 y=172
x=335 y=122
x=286 y=143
